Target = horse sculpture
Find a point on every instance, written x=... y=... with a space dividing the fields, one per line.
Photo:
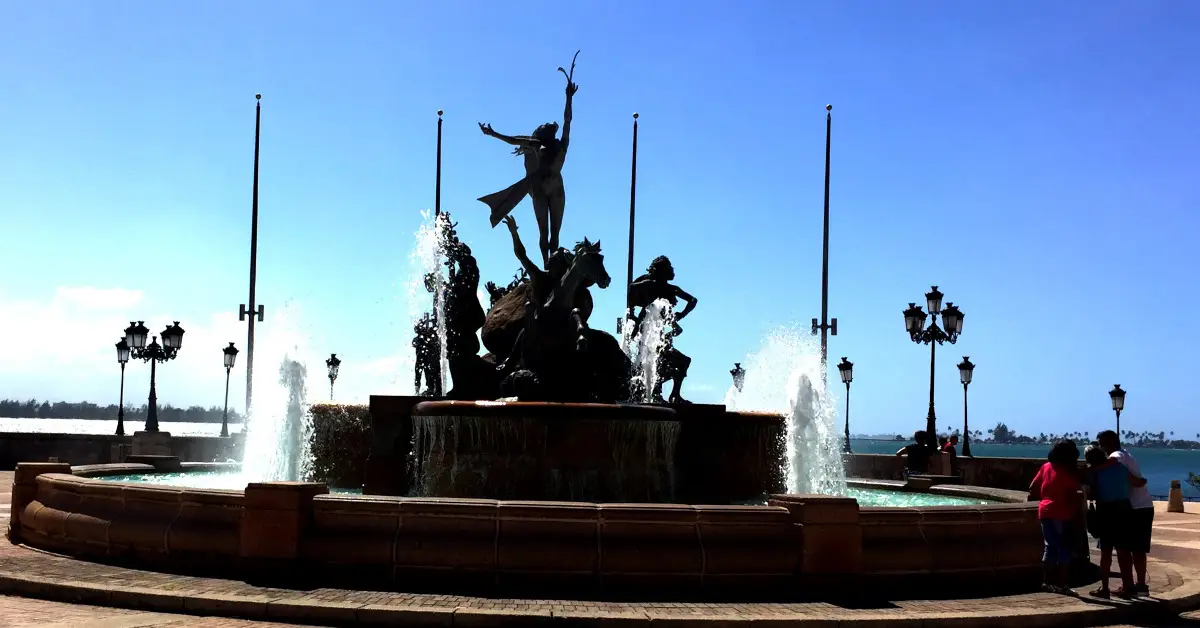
x=555 y=355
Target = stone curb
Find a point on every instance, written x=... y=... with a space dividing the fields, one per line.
x=1181 y=599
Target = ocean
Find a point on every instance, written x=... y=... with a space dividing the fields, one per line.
x=86 y=426
x=1160 y=466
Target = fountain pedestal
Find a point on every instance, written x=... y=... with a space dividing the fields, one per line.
x=544 y=451
x=152 y=443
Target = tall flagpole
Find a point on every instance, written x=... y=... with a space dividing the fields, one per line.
x=443 y=367
x=632 y=213
x=249 y=309
x=825 y=326
x=437 y=192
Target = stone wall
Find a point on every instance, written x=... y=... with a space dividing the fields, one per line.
x=81 y=449
x=797 y=544
x=1012 y=474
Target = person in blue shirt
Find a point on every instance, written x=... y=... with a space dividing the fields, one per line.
x=1109 y=482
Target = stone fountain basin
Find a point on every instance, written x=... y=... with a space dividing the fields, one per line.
x=692 y=453
x=795 y=543
x=544 y=451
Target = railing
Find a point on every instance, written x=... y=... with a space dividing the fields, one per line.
x=1163 y=498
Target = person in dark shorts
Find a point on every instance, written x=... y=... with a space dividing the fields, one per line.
x=1056 y=489
x=1141 y=520
x=1109 y=482
x=916 y=454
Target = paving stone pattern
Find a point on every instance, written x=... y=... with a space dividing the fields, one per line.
x=34 y=573
x=18 y=612
x=22 y=568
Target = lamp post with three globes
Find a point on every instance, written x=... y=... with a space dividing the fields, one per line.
x=135 y=341
x=914 y=323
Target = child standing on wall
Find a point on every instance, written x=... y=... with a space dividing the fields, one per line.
x=1056 y=489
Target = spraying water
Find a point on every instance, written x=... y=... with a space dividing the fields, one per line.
x=276 y=439
x=645 y=347
x=785 y=376
x=426 y=276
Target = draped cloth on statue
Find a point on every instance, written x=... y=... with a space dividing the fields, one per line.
x=506 y=200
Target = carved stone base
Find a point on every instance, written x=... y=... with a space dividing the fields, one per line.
x=152 y=443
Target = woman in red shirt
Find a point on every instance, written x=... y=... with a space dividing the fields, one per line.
x=1056 y=487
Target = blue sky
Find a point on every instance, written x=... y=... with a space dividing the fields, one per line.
x=1035 y=160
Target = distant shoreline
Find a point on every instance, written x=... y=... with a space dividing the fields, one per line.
x=101 y=418
x=995 y=444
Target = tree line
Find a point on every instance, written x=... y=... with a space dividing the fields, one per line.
x=34 y=409
x=1004 y=435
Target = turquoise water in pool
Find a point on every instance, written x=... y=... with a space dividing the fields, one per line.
x=879 y=497
x=198 y=479
x=228 y=480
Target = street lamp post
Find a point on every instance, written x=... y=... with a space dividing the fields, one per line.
x=172 y=339
x=739 y=376
x=914 y=323
x=122 y=358
x=332 y=364
x=1118 y=403
x=230 y=358
x=846 y=367
x=965 y=371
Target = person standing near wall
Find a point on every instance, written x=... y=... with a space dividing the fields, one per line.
x=1141 y=521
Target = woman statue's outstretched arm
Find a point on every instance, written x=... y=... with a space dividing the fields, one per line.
x=566 y=128
x=572 y=87
x=527 y=142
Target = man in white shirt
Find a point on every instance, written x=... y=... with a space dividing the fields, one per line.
x=1142 y=518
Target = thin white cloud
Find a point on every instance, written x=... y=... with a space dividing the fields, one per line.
x=97 y=298
x=63 y=349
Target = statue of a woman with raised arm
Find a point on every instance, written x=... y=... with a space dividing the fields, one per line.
x=544 y=156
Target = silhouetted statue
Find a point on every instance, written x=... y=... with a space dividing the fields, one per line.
x=471 y=376
x=428 y=353
x=557 y=289
x=645 y=290
x=495 y=293
x=544 y=156
x=555 y=355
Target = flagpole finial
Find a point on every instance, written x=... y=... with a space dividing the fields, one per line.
x=828 y=107
x=439 y=113
x=258 y=97
x=635 y=115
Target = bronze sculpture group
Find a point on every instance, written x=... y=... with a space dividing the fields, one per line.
x=540 y=347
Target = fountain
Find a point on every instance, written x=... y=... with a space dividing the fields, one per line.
x=786 y=374
x=557 y=410
x=551 y=461
x=276 y=447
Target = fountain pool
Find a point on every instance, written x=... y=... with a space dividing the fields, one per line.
x=237 y=481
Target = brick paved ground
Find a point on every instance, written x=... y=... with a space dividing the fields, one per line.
x=19 y=612
x=29 y=572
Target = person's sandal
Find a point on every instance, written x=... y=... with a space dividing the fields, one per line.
x=1101 y=593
